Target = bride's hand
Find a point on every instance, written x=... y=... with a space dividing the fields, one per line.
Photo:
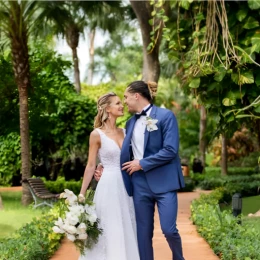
x=98 y=172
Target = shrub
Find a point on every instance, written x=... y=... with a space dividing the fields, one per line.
x=10 y=157
x=189 y=184
x=228 y=239
x=35 y=240
x=61 y=184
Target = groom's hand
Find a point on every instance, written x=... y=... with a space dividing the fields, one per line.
x=132 y=166
x=98 y=172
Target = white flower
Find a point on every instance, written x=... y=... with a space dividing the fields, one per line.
x=76 y=209
x=92 y=218
x=59 y=222
x=71 y=237
x=90 y=209
x=81 y=228
x=83 y=236
x=70 y=229
x=57 y=230
x=81 y=198
x=151 y=124
x=71 y=198
x=71 y=218
x=91 y=214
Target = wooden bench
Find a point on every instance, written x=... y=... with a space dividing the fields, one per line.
x=40 y=194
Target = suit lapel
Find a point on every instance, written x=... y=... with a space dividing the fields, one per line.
x=147 y=133
x=129 y=133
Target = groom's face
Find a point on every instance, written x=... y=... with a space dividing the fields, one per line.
x=131 y=100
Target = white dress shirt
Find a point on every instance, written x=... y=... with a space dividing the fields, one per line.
x=138 y=135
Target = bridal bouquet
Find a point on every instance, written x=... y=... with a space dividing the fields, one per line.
x=78 y=219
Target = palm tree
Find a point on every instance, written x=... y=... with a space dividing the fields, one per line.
x=15 y=18
x=70 y=18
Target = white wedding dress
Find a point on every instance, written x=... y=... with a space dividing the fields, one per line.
x=114 y=208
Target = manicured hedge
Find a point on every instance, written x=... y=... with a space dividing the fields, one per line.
x=61 y=184
x=229 y=240
x=246 y=185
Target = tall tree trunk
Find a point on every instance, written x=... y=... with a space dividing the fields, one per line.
x=202 y=141
x=20 y=57
x=151 y=64
x=72 y=38
x=1 y=203
x=76 y=70
x=224 y=155
x=91 y=56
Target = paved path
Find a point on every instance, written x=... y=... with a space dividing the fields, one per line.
x=194 y=247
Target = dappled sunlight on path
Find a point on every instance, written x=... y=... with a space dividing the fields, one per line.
x=194 y=247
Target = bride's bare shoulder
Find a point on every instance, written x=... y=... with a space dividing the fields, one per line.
x=95 y=135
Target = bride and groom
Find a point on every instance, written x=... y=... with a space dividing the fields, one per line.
x=141 y=168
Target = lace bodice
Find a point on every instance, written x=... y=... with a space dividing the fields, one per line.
x=109 y=152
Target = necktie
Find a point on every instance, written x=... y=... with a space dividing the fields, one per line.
x=143 y=113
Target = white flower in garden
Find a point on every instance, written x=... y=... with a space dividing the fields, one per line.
x=81 y=228
x=151 y=124
x=71 y=237
x=58 y=230
x=71 y=218
x=83 y=236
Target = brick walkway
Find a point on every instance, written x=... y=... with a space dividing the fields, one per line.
x=194 y=247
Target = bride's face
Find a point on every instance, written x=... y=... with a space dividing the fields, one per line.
x=116 y=107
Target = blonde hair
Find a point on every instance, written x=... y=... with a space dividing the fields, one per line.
x=102 y=115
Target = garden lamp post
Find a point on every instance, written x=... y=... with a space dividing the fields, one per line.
x=237 y=205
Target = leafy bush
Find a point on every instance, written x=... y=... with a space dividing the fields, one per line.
x=10 y=159
x=216 y=171
x=61 y=184
x=189 y=184
x=228 y=239
x=246 y=185
x=33 y=241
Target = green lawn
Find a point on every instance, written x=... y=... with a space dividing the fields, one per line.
x=14 y=215
x=249 y=205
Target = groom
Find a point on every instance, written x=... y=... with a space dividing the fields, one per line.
x=151 y=167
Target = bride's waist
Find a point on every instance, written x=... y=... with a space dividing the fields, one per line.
x=111 y=167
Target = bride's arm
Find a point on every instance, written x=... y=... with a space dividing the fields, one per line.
x=94 y=145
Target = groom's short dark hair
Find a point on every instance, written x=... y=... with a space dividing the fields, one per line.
x=146 y=90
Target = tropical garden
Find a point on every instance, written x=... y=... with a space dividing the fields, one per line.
x=205 y=56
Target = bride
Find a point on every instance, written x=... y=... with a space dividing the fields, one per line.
x=114 y=207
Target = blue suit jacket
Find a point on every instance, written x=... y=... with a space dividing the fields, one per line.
x=161 y=162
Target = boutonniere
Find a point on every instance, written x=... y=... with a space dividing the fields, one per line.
x=151 y=124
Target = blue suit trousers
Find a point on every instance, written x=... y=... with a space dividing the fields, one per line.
x=144 y=202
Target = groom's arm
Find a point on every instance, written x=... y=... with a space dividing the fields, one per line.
x=170 y=146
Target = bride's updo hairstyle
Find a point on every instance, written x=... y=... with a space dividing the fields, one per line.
x=102 y=115
x=146 y=89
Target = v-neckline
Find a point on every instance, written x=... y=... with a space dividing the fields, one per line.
x=120 y=148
